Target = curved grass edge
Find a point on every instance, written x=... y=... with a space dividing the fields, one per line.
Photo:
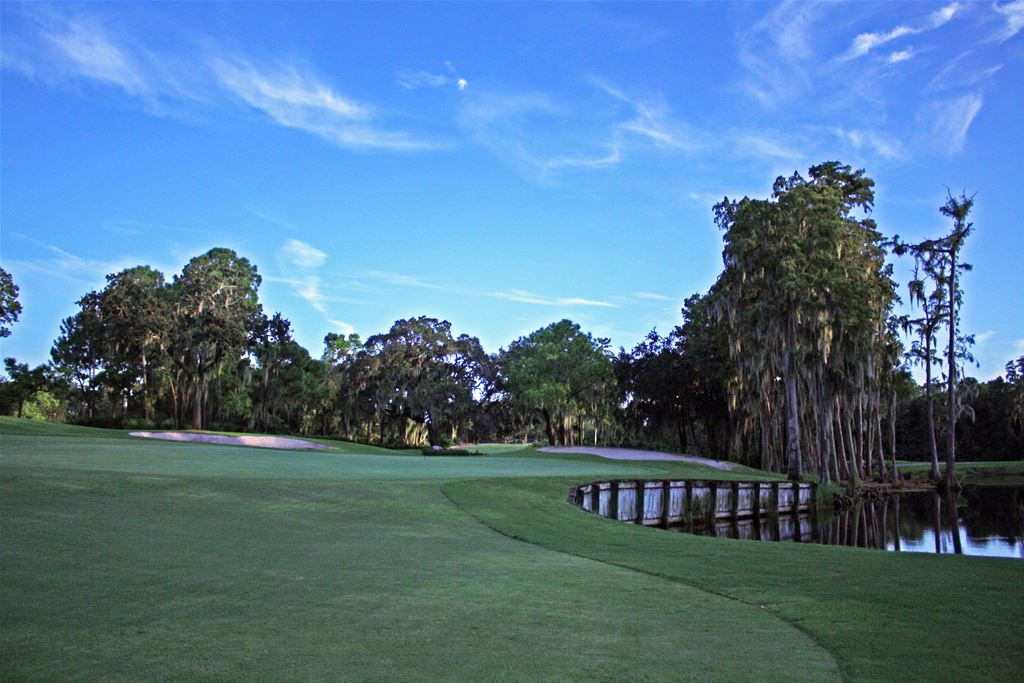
x=458 y=502
x=882 y=616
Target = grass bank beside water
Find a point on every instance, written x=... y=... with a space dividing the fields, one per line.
x=130 y=559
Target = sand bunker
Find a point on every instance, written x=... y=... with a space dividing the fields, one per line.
x=631 y=454
x=257 y=441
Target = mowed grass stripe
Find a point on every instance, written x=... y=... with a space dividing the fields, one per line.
x=146 y=456
x=131 y=575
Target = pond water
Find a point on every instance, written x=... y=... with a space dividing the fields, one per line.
x=982 y=520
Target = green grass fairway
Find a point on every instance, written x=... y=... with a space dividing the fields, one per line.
x=131 y=560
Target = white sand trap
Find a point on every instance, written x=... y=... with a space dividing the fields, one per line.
x=630 y=454
x=257 y=441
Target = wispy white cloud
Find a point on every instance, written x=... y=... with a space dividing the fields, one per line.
x=652 y=296
x=580 y=301
x=542 y=136
x=515 y=127
x=525 y=297
x=297 y=99
x=612 y=158
x=943 y=14
x=342 y=326
x=776 y=52
x=951 y=119
x=652 y=120
x=132 y=227
x=300 y=261
x=757 y=145
x=309 y=288
x=866 y=42
x=270 y=217
x=881 y=145
x=83 y=272
x=1013 y=15
x=400 y=279
x=62 y=46
x=413 y=80
x=89 y=51
x=302 y=255
x=900 y=56
x=285 y=89
x=966 y=70
x=983 y=337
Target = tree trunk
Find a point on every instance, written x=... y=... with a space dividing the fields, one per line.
x=953 y=521
x=840 y=445
x=935 y=474
x=870 y=445
x=175 y=409
x=950 y=480
x=432 y=434
x=896 y=536
x=852 y=449
x=549 y=427
x=892 y=436
x=881 y=447
x=794 y=465
x=147 y=408
x=860 y=434
x=838 y=467
x=197 y=408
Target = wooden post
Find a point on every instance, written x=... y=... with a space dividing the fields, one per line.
x=775 y=499
x=713 y=495
x=813 y=508
x=639 y=502
x=688 y=502
x=757 y=507
x=735 y=499
x=666 y=494
x=613 y=501
x=813 y=512
x=595 y=498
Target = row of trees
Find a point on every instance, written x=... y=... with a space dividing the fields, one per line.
x=792 y=361
x=200 y=352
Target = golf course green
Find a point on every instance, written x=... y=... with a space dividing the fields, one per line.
x=129 y=559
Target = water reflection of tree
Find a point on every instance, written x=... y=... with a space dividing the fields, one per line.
x=992 y=511
x=985 y=512
x=953 y=519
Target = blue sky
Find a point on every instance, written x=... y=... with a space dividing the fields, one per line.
x=499 y=165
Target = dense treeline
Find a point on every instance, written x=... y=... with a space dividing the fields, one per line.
x=992 y=430
x=793 y=361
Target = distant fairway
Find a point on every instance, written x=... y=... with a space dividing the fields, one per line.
x=126 y=559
